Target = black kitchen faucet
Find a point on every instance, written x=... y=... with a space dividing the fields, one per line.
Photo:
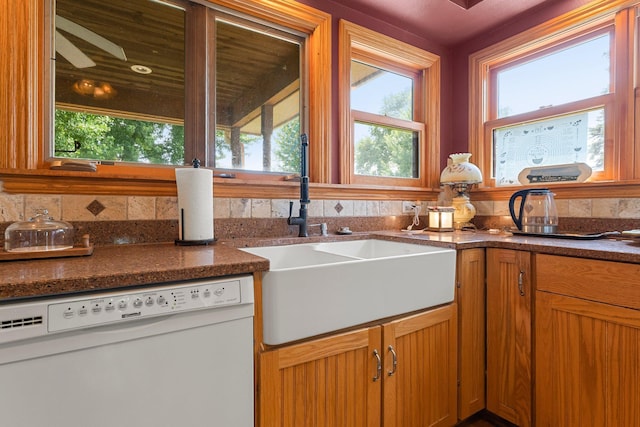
x=301 y=219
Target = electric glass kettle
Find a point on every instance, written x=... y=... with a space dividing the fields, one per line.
x=537 y=212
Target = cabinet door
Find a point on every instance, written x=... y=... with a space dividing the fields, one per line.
x=509 y=335
x=420 y=390
x=587 y=363
x=327 y=382
x=470 y=296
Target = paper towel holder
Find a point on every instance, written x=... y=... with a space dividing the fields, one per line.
x=180 y=242
x=183 y=242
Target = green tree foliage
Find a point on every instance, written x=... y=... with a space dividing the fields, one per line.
x=117 y=139
x=112 y=138
x=223 y=146
x=287 y=146
x=387 y=151
x=595 y=145
x=81 y=127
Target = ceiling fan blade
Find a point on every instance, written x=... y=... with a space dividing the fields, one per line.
x=91 y=37
x=71 y=53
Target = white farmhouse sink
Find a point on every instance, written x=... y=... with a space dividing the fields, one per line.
x=373 y=248
x=313 y=288
x=296 y=256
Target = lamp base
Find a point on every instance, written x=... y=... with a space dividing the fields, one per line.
x=459 y=226
x=463 y=213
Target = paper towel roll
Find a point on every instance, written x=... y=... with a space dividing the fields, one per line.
x=195 y=204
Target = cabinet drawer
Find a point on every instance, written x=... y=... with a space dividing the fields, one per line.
x=609 y=282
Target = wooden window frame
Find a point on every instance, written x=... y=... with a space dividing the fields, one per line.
x=636 y=48
x=359 y=43
x=605 y=101
x=23 y=161
x=621 y=147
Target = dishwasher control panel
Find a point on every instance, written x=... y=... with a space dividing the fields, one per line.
x=143 y=303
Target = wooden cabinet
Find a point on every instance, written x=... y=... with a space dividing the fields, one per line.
x=421 y=389
x=509 y=359
x=324 y=382
x=401 y=373
x=587 y=342
x=470 y=297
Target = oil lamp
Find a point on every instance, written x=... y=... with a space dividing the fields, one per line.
x=460 y=174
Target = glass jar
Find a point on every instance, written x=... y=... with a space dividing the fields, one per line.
x=40 y=233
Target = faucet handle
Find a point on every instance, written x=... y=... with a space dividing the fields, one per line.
x=324 y=230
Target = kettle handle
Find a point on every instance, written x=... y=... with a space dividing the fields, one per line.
x=517 y=219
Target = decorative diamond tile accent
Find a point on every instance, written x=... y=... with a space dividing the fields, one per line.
x=338 y=207
x=95 y=207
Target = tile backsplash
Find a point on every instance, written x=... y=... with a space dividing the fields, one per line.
x=15 y=207
x=122 y=208
x=135 y=219
x=623 y=208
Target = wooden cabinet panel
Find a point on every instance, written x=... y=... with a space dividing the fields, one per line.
x=335 y=381
x=322 y=383
x=509 y=386
x=421 y=389
x=470 y=296
x=609 y=282
x=587 y=363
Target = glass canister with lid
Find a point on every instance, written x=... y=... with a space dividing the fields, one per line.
x=40 y=233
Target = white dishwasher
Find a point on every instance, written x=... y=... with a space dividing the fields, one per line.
x=177 y=355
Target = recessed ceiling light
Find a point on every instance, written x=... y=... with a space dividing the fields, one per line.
x=141 y=69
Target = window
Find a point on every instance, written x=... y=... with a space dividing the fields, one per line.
x=384 y=145
x=29 y=116
x=556 y=97
x=577 y=70
x=129 y=105
x=258 y=97
x=120 y=98
x=389 y=110
x=574 y=77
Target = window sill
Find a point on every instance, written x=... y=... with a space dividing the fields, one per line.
x=586 y=190
x=162 y=184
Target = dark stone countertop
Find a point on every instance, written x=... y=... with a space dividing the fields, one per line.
x=611 y=249
x=122 y=266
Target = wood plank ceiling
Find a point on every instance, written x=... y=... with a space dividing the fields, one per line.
x=251 y=68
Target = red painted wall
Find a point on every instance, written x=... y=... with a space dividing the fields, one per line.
x=460 y=60
x=454 y=106
x=339 y=11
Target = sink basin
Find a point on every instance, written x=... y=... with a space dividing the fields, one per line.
x=374 y=248
x=314 y=288
x=296 y=256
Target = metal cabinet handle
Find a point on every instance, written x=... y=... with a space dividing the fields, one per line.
x=521 y=283
x=378 y=365
x=395 y=361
